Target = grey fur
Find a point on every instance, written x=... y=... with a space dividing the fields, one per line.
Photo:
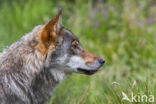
x=27 y=77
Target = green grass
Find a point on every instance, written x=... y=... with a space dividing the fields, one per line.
x=121 y=31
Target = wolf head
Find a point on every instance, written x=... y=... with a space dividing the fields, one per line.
x=64 y=51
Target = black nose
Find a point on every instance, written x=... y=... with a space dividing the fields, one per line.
x=101 y=61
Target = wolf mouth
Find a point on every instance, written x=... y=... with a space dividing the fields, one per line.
x=88 y=72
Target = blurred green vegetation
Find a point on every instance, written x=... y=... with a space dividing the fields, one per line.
x=121 y=31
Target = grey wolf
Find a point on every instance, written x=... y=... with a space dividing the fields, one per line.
x=32 y=67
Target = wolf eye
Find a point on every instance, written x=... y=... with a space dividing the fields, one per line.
x=75 y=44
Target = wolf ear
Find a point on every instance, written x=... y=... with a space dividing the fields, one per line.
x=49 y=31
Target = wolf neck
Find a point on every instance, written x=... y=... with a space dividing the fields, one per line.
x=45 y=83
x=58 y=75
